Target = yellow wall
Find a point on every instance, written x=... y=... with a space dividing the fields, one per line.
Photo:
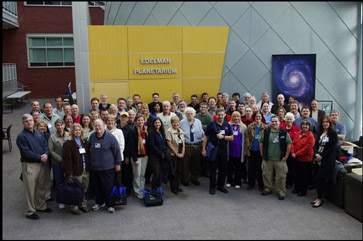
x=195 y=53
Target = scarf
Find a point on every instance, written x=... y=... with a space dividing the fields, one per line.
x=140 y=145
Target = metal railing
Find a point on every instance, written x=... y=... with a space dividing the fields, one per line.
x=11 y=7
x=9 y=73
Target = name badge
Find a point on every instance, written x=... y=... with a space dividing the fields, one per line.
x=275 y=140
x=49 y=125
x=165 y=122
x=82 y=150
x=98 y=145
x=143 y=141
x=326 y=139
x=222 y=132
x=235 y=133
x=257 y=137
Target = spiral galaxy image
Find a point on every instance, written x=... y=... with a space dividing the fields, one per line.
x=294 y=75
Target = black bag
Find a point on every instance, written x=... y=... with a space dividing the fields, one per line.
x=211 y=151
x=153 y=198
x=71 y=194
x=118 y=195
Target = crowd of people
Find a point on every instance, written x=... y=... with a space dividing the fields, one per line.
x=132 y=143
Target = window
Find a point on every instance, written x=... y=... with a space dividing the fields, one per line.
x=48 y=3
x=61 y=3
x=50 y=50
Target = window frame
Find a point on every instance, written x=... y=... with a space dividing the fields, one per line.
x=60 y=5
x=45 y=36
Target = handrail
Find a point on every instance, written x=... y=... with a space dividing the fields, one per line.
x=9 y=73
x=11 y=7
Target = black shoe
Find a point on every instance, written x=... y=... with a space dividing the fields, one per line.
x=47 y=210
x=300 y=194
x=50 y=199
x=313 y=202
x=180 y=190
x=34 y=216
x=294 y=191
x=311 y=187
x=250 y=188
x=195 y=182
x=281 y=197
x=212 y=191
x=222 y=189
x=185 y=184
x=174 y=191
x=265 y=193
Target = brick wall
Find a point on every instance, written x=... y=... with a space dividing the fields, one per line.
x=43 y=82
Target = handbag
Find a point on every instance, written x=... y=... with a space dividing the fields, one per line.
x=118 y=195
x=153 y=198
x=211 y=151
x=71 y=194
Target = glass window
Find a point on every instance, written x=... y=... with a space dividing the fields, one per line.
x=67 y=41
x=36 y=42
x=54 y=41
x=48 y=51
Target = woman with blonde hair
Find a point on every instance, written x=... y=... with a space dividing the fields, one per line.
x=236 y=161
x=76 y=162
x=139 y=155
x=146 y=113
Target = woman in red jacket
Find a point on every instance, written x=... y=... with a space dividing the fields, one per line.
x=302 y=149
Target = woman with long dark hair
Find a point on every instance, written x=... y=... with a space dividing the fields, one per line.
x=325 y=145
x=157 y=150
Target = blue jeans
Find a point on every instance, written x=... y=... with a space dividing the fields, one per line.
x=58 y=174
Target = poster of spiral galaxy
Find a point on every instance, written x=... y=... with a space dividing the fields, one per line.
x=294 y=75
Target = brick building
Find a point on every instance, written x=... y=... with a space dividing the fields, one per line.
x=38 y=45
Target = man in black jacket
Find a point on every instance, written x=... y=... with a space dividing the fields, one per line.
x=126 y=168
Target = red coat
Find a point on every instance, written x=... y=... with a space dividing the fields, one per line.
x=303 y=146
x=293 y=130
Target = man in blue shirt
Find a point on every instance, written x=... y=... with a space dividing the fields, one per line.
x=218 y=133
x=193 y=134
x=34 y=153
x=305 y=112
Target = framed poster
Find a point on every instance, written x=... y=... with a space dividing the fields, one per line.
x=325 y=105
x=294 y=75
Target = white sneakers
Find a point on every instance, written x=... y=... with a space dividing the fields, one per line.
x=237 y=186
x=62 y=206
x=228 y=185
x=111 y=210
x=96 y=207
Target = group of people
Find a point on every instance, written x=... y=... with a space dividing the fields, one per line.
x=133 y=143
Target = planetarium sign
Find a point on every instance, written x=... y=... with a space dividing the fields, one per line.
x=155 y=70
